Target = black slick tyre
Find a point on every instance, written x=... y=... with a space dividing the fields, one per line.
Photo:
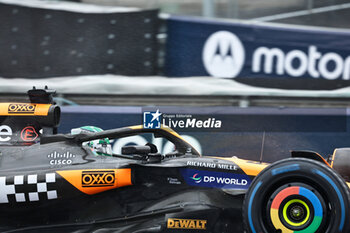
x=297 y=195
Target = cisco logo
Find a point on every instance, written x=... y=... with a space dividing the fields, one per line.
x=224 y=57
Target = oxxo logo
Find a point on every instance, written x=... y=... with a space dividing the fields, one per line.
x=96 y=181
x=5 y=133
x=223 y=55
x=21 y=108
x=97 y=178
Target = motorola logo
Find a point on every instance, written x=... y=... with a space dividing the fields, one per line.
x=223 y=55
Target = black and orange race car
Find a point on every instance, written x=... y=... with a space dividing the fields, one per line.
x=57 y=183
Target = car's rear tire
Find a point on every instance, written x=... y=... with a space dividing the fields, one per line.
x=297 y=195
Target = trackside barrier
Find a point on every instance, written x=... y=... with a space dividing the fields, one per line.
x=199 y=47
x=53 y=38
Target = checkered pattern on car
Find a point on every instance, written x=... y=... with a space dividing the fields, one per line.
x=23 y=188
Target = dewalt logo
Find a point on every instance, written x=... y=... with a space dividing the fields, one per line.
x=190 y=224
x=21 y=108
x=97 y=178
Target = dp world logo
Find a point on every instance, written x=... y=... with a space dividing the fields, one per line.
x=223 y=55
x=196 y=178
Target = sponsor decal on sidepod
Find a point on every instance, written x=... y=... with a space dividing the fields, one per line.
x=92 y=181
x=215 y=179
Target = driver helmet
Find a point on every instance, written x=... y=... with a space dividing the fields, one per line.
x=100 y=146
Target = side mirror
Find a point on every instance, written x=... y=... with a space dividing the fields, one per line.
x=144 y=153
x=138 y=150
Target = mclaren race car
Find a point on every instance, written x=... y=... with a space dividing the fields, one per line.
x=64 y=183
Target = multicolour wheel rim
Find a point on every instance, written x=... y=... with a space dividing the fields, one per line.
x=296 y=209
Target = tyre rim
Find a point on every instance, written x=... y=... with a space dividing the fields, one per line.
x=296 y=209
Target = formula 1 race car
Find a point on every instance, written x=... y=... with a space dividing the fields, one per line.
x=59 y=183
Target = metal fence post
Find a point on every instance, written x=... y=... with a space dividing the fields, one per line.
x=208 y=8
x=309 y=4
x=232 y=9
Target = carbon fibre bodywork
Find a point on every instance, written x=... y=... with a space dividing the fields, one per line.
x=55 y=182
x=60 y=184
